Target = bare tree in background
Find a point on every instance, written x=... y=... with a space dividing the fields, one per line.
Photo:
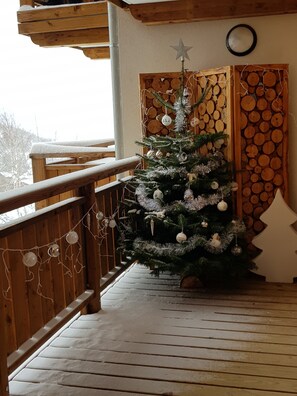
x=15 y=165
x=15 y=146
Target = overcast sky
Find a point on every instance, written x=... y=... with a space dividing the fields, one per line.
x=55 y=92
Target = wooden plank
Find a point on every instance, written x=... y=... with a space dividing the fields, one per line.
x=18 y=288
x=191 y=10
x=91 y=252
x=32 y=274
x=8 y=312
x=64 y=344
x=44 y=271
x=3 y=334
x=174 y=375
x=186 y=363
x=97 y=52
x=69 y=11
x=136 y=385
x=59 y=292
x=62 y=25
x=18 y=388
x=72 y=38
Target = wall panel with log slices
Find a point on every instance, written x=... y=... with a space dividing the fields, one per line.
x=260 y=139
x=250 y=104
x=214 y=113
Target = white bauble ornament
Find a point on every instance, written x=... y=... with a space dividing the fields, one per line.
x=215 y=240
x=54 y=250
x=218 y=143
x=112 y=223
x=150 y=154
x=30 y=259
x=236 y=250
x=72 y=237
x=194 y=122
x=214 y=185
x=158 y=194
x=159 y=154
x=188 y=195
x=166 y=120
x=182 y=157
x=105 y=222
x=204 y=224
x=234 y=186
x=99 y=216
x=181 y=237
x=222 y=206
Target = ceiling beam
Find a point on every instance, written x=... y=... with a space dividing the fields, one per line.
x=201 y=10
x=74 y=38
x=97 y=52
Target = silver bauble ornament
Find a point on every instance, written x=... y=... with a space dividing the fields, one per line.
x=53 y=250
x=214 y=185
x=72 y=237
x=30 y=259
x=166 y=120
x=159 y=154
x=188 y=195
x=158 y=194
x=222 y=206
x=182 y=157
x=181 y=237
x=234 y=186
x=236 y=250
x=204 y=224
x=112 y=223
x=99 y=216
x=150 y=154
x=194 y=122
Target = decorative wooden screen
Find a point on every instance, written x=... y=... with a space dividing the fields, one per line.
x=250 y=104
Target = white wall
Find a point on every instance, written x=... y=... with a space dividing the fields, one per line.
x=146 y=49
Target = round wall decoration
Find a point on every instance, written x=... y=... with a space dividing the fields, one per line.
x=241 y=40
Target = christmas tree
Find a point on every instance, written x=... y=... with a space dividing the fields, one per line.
x=181 y=219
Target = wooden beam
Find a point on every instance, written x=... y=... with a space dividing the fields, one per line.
x=97 y=52
x=72 y=38
x=193 y=10
x=65 y=24
x=71 y=11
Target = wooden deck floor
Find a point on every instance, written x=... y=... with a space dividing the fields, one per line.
x=153 y=338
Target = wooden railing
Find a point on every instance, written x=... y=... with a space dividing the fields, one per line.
x=61 y=158
x=55 y=261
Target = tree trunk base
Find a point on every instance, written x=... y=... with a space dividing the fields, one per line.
x=190 y=282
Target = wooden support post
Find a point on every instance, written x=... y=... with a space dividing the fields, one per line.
x=93 y=270
x=27 y=2
x=3 y=353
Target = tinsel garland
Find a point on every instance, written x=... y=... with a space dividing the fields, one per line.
x=170 y=171
x=180 y=249
x=182 y=108
x=198 y=203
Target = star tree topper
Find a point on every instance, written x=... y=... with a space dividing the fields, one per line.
x=181 y=50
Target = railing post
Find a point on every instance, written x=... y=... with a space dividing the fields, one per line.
x=3 y=353
x=27 y=2
x=93 y=270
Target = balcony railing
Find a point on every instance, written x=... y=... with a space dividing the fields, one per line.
x=60 y=158
x=55 y=261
